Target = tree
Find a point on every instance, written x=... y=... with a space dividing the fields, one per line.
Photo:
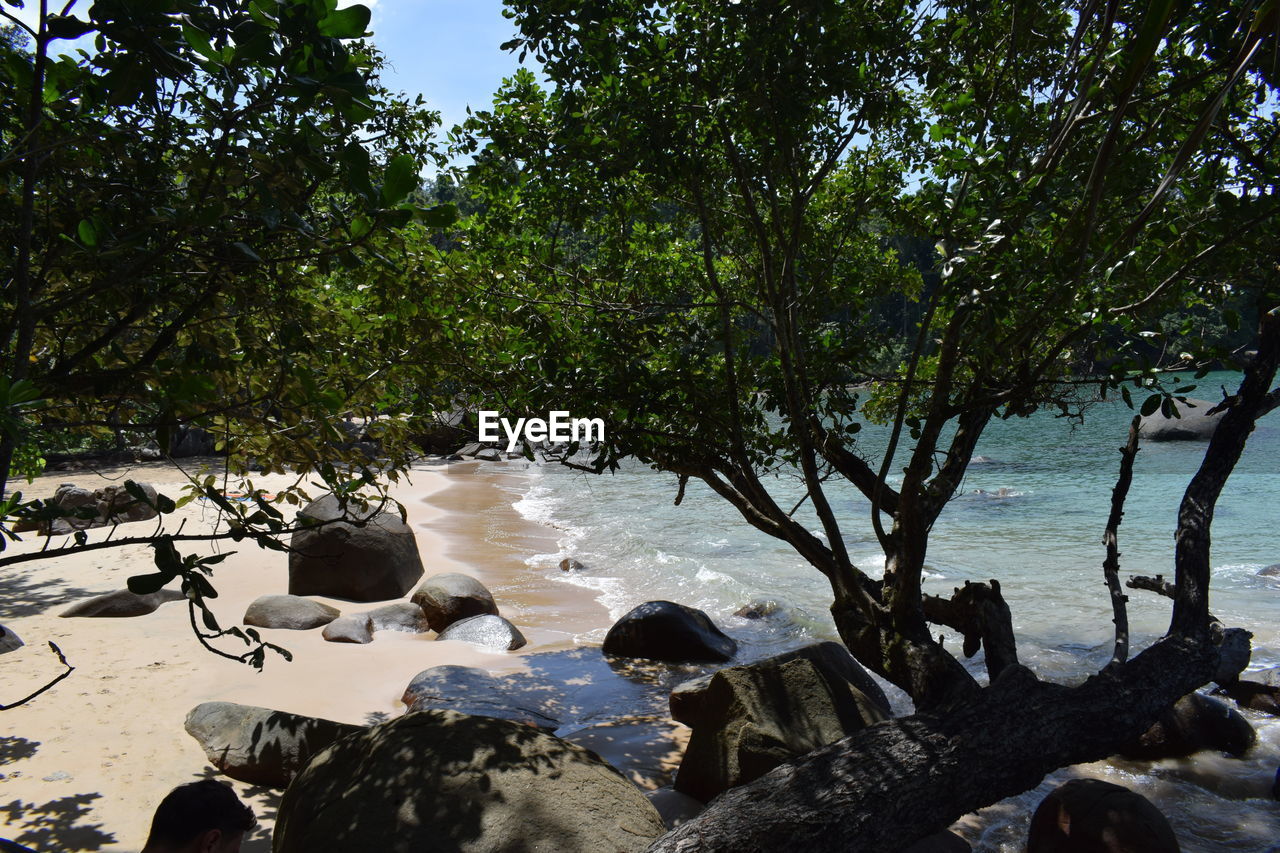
x=200 y=210
x=693 y=236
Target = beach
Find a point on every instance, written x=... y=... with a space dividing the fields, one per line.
x=84 y=764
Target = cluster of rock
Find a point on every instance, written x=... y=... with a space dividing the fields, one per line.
x=84 y=509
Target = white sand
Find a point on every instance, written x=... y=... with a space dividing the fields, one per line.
x=82 y=766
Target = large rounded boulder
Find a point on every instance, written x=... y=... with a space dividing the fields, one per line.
x=258 y=745
x=666 y=631
x=1092 y=816
x=121 y=604
x=447 y=597
x=747 y=720
x=474 y=691
x=440 y=780
x=1194 y=723
x=488 y=632
x=1193 y=423
x=290 y=612
x=356 y=554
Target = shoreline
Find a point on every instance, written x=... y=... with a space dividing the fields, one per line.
x=85 y=764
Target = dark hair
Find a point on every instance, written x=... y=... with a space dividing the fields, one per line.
x=190 y=810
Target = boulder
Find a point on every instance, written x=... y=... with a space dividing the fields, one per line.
x=445 y=598
x=292 y=612
x=568 y=564
x=666 y=631
x=258 y=745
x=489 y=454
x=469 y=450
x=1271 y=571
x=488 y=631
x=373 y=556
x=1192 y=423
x=440 y=780
x=940 y=842
x=110 y=505
x=831 y=658
x=9 y=641
x=400 y=616
x=1194 y=723
x=674 y=807
x=1092 y=816
x=747 y=720
x=1264 y=698
x=355 y=628
x=760 y=608
x=473 y=691
x=122 y=603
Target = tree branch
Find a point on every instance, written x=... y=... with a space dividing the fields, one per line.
x=1111 y=565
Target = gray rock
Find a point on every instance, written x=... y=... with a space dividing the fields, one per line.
x=447 y=597
x=400 y=616
x=1263 y=698
x=1194 y=723
x=1192 y=424
x=122 y=603
x=258 y=745
x=1271 y=571
x=568 y=564
x=439 y=780
x=292 y=612
x=1092 y=816
x=372 y=557
x=666 y=631
x=747 y=720
x=674 y=807
x=489 y=454
x=488 y=631
x=9 y=641
x=355 y=628
x=832 y=659
x=469 y=450
x=111 y=505
x=760 y=608
x=473 y=691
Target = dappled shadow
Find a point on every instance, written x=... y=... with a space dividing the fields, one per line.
x=56 y=825
x=28 y=594
x=449 y=781
x=16 y=749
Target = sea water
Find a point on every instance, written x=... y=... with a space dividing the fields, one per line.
x=1030 y=513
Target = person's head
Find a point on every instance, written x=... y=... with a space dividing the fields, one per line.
x=199 y=817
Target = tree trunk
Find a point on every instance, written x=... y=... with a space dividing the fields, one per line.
x=898 y=781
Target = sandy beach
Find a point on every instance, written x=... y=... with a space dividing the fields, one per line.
x=83 y=765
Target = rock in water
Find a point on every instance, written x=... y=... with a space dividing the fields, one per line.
x=488 y=631
x=1195 y=722
x=568 y=564
x=747 y=720
x=355 y=628
x=258 y=745
x=450 y=596
x=440 y=780
x=292 y=612
x=1092 y=816
x=122 y=603
x=401 y=616
x=9 y=641
x=1193 y=424
x=374 y=559
x=1264 y=698
x=474 y=691
x=666 y=631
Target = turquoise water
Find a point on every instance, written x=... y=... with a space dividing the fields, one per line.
x=1041 y=539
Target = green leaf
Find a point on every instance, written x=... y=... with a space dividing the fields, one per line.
x=438 y=216
x=199 y=42
x=66 y=27
x=400 y=179
x=1150 y=405
x=147 y=584
x=88 y=234
x=348 y=23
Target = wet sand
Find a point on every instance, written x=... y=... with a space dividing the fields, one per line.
x=83 y=765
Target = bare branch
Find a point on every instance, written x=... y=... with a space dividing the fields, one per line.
x=61 y=659
x=1111 y=565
